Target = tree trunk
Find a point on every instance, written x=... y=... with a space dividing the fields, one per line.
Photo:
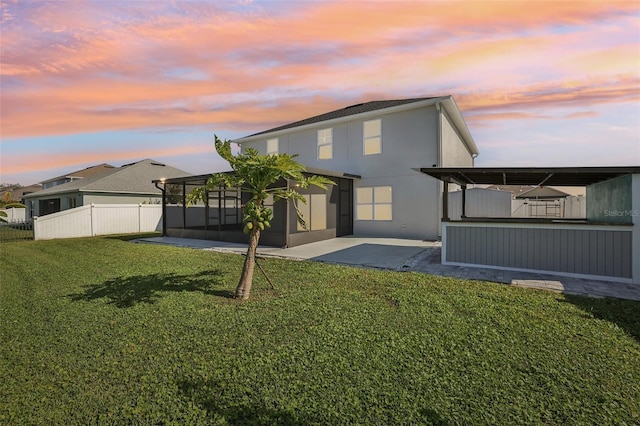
x=246 y=279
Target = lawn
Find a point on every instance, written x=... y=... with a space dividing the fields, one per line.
x=104 y=331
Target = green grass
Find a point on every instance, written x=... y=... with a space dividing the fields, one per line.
x=103 y=331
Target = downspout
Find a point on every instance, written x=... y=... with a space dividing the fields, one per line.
x=164 y=206
x=444 y=186
x=286 y=219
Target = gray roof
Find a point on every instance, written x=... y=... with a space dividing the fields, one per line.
x=135 y=178
x=345 y=112
x=544 y=193
x=89 y=171
x=369 y=109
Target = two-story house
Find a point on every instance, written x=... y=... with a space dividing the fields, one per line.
x=373 y=151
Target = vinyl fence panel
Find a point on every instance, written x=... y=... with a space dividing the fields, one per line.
x=99 y=219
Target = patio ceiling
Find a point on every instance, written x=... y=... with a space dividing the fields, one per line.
x=536 y=176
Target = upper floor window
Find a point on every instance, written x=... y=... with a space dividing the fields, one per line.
x=325 y=144
x=372 y=140
x=272 y=146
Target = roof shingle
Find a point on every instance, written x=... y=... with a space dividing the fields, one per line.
x=344 y=112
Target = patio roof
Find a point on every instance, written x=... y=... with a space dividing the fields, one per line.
x=537 y=176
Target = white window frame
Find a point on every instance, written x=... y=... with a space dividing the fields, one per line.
x=272 y=146
x=325 y=144
x=371 y=139
x=373 y=204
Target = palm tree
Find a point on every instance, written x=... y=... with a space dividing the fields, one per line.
x=256 y=174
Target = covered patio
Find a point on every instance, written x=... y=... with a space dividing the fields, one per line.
x=605 y=245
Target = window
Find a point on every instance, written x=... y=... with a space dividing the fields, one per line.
x=314 y=212
x=372 y=141
x=325 y=144
x=272 y=146
x=72 y=202
x=374 y=203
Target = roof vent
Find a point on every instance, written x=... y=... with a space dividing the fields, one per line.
x=157 y=164
x=353 y=106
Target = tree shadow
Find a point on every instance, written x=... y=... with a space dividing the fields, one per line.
x=125 y=292
x=431 y=417
x=624 y=313
x=210 y=395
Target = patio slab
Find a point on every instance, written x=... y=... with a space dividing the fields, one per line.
x=414 y=255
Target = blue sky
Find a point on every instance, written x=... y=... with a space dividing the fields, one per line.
x=89 y=82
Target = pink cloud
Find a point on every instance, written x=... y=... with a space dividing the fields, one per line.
x=93 y=68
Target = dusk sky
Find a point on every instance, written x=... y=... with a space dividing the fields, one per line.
x=90 y=82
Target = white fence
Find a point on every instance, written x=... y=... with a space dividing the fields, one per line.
x=99 y=219
x=15 y=214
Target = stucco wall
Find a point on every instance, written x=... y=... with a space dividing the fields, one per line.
x=415 y=208
x=610 y=201
x=454 y=150
x=409 y=140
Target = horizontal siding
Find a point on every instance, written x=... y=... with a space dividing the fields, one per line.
x=576 y=251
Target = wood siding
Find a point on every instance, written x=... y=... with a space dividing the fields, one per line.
x=575 y=251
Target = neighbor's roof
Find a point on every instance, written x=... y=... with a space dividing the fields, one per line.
x=134 y=178
x=89 y=171
x=543 y=193
x=18 y=193
x=537 y=176
x=513 y=189
x=368 y=107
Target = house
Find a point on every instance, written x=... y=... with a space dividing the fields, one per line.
x=17 y=194
x=373 y=151
x=131 y=183
x=78 y=174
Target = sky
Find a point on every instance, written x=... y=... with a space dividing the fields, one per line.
x=104 y=81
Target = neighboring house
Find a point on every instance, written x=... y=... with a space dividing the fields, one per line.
x=131 y=183
x=545 y=201
x=78 y=174
x=373 y=151
x=18 y=194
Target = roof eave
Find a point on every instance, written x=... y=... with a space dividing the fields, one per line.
x=454 y=112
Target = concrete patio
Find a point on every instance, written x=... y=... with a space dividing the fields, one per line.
x=413 y=255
